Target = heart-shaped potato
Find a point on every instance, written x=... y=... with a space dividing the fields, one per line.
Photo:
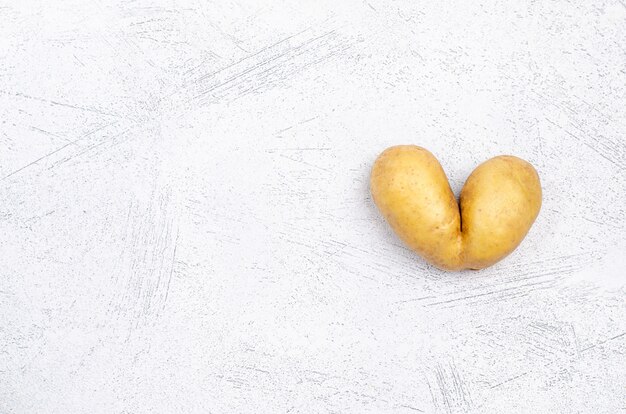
x=499 y=203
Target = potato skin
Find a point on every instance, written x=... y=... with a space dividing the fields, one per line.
x=412 y=192
x=499 y=203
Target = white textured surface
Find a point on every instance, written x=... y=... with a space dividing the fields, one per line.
x=185 y=223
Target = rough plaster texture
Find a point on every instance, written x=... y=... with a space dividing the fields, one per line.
x=185 y=223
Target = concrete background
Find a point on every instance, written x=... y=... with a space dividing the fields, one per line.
x=186 y=227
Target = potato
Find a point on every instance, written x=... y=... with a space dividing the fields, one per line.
x=499 y=202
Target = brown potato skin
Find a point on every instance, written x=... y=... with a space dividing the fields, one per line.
x=499 y=203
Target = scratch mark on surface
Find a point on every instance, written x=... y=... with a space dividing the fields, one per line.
x=55 y=151
x=613 y=152
x=410 y=408
x=146 y=266
x=305 y=163
x=603 y=342
x=277 y=133
x=415 y=299
x=169 y=279
x=40 y=159
x=80 y=108
x=203 y=77
x=453 y=390
x=509 y=380
x=486 y=293
x=273 y=65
